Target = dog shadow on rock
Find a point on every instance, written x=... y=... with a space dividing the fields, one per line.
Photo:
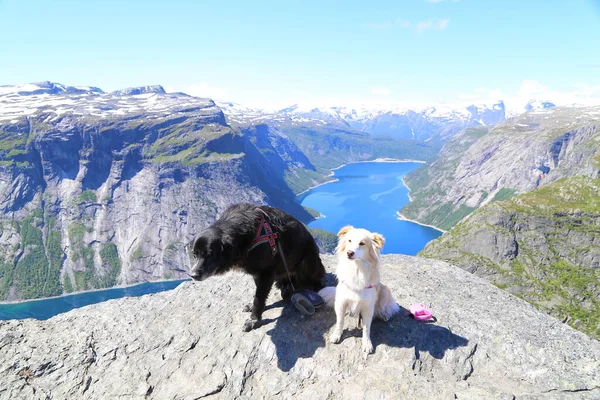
x=403 y=331
x=296 y=336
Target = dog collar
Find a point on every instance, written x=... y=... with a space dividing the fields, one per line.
x=366 y=287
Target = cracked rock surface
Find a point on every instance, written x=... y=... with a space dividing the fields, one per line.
x=188 y=344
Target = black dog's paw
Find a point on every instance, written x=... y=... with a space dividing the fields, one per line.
x=251 y=324
x=247 y=307
x=286 y=292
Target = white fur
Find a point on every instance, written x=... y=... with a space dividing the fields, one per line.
x=358 y=268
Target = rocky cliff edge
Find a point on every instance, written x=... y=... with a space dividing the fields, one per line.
x=188 y=344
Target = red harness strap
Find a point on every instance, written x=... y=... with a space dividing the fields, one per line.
x=268 y=236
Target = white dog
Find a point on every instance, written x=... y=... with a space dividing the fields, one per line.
x=359 y=290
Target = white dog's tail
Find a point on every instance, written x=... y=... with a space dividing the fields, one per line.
x=328 y=295
x=386 y=306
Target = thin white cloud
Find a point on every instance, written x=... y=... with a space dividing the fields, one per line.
x=581 y=94
x=380 y=91
x=204 y=89
x=418 y=27
x=402 y=23
x=438 y=25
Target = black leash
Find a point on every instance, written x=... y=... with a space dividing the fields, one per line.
x=280 y=250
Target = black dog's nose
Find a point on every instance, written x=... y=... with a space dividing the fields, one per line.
x=350 y=254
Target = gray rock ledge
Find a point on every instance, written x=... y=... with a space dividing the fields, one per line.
x=188 y=344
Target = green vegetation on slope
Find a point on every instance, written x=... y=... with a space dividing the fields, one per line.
x=37 y=273
x=13 y=149
x=87 y=196
x=109 y=256
x=83 y=255
x=504 y=194
x=542 y=246
x=512 y=157
x=187 y=143
x=326 y=240
x=301 y=179
x=90 y=277
x=327 y=147
x=429 y=204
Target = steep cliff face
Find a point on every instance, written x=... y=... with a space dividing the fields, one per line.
x=543 y=246
x=188 y=344
x=101 y=189
x=481 y=165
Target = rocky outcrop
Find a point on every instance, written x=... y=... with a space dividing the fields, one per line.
x=188 y=344
x=481 y=165
x=543 y=246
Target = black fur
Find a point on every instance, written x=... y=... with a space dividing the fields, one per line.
x=225 y=245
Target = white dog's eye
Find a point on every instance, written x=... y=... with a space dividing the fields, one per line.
x=361 y=244
x=349 y=240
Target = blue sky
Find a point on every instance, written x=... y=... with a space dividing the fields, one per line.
x=263 y=52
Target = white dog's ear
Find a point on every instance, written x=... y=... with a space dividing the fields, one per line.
x=378 y=239
x=345 y=230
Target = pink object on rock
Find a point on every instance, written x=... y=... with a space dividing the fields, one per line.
x=420 y=312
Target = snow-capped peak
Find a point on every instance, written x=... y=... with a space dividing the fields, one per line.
x=538 y=105
x=46 y=87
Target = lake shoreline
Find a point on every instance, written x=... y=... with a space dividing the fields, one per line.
x=7 y=303
x=402 y=217
x=377 y=160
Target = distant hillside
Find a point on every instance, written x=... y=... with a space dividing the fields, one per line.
x=434 y=124
x=480 y=165
x=543 y=246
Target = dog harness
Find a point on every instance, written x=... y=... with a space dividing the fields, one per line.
x=268 y=236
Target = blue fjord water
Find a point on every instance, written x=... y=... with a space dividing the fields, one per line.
x=366 y=195
x=47 y=308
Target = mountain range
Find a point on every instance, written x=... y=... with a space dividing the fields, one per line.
x=100 y=189
x=520 y=203
x=436 y=123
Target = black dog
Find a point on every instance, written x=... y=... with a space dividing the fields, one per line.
x=241 y=238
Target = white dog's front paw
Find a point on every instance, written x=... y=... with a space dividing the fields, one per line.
x=335 y=337
x=367 y=347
